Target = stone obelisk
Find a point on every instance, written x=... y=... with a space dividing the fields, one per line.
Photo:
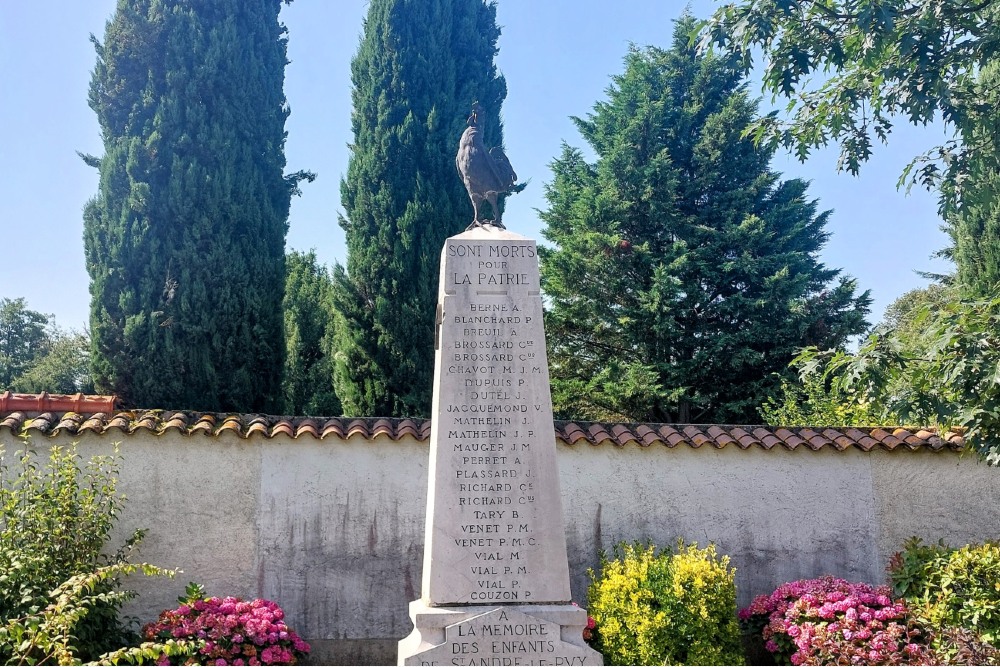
x=495 y=588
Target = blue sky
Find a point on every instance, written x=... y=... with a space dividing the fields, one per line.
x=557 y=57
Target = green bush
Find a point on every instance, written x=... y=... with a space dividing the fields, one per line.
x=56 y=515
x=48 y=636
x=665 y=607
x=957 y=646
x=950 y=588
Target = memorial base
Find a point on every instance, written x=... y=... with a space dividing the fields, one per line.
x=497 y=635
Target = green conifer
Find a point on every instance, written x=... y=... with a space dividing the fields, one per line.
x=307 y=383
x=975 y=227
x=685 y=272
x=185 y=238
x=419 y=67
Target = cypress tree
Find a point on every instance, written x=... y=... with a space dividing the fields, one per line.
x=975 y=227
x=684 y=274
x=419 y=67
x=185 y=238
x=307 y=382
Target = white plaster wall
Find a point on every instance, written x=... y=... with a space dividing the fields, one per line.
x=333 y=530
x=779 y=515
x=198 y=499
x=342 y=526
x=931 y=496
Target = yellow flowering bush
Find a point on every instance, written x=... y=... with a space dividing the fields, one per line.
x=673 y=607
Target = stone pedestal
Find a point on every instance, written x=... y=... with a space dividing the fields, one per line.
x=497 y=635
x=495 y=587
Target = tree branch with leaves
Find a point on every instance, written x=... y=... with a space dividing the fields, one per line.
x=850 y=70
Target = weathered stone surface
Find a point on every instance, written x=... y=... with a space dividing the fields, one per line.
x=494 y=522
x=495 y=588
x=508 y=635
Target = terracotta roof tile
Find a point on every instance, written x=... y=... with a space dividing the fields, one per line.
x=696 y=438
x=861 y=439
x=257 y=427
x=937 y=442
x=789 y=439
x=94 y=423
x=231 y=424
x=671 y=436
x=599 y=433
x=647 y=436
x=767 y=438
x=717 y=436
x=382 y=427
x=358 y=427
x=283 y=427
x=743 y=439
x=720 y=437
x=333 y=428
x=622 y=435
x=571 y=432
x=205 y=424
x=69 y=422
x=880 y=435
x=306 y=427
x=813 y=440
x=406 y=427
x=42 y=422
x=178 y=421
x=13 y=421
x=838 y=438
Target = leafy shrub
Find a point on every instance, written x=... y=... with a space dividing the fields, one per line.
x=958 y=646
x=665 y=607
x=910 y=569
x=832 y=621
x=228 y=631
x=951 y=588
x=55 y=519
x=47 y=636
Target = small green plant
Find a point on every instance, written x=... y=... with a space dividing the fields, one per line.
x=56 y=515
x=912 y=568
x=951 y=588
x=674 y=607
x=47 y=636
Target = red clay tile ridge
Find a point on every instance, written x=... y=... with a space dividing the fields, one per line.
x=55 y=414
x=38 y=403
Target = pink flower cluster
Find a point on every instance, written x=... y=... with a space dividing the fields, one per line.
x=231 y=632
x=833 y=621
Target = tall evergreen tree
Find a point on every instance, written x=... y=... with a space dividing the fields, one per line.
x=307 y=382
x=185 y=238
x=975 y=225
x=420 y=66
x=685 y=272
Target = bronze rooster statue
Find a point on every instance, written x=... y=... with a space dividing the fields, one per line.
x=486 y=173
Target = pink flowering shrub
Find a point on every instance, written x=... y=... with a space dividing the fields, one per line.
x=228 y=631
x=832 y=621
